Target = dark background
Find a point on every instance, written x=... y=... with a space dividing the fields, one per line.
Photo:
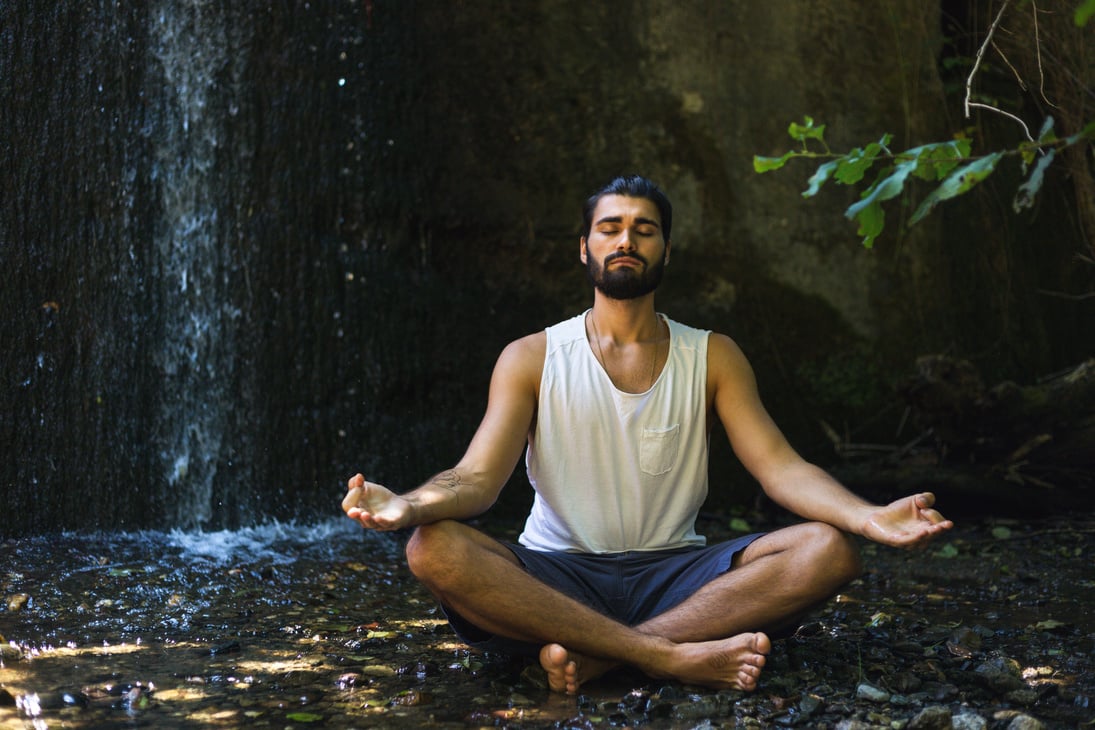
x=247 y=249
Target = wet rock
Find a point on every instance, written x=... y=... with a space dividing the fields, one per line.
x=809 y=704
x=231 y=647
x=348 y=680
x=1025 y=696
x=964 y=642
x=702 y=707
x=935 y=717
x=300 y=678
x=871 y=693
x=10 y=653
x=907 y=682
x=410 y=698
x=18 y=601
x=969 y=721
x=853 y=723
x=999 y=674
x=940 y=691
x=1025 y=722
x=309 y=696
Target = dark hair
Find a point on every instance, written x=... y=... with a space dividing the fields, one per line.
x=633 y=186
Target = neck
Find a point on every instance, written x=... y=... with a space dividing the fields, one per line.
x=628 y=320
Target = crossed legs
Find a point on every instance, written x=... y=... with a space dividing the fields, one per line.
x=714 y=638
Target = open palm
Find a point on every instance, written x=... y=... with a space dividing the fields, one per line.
x=374 y=506
x=907 y=522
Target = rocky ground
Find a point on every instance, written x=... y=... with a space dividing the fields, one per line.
x=992 y=627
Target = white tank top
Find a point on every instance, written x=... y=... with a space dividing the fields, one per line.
x=616 y=471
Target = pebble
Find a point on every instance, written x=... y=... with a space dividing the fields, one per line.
x=871 y=693
x=1000 y=674
x=1025 y=722
x=935 y=717
x=969 y=721
x=10 y=653
x=18 y=601
x=1025 y=696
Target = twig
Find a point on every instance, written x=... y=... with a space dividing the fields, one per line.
x=1026 y=129
x=977 y=65
x=1038 y=55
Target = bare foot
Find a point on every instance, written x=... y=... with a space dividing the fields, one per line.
x=733 y=663
x=567 y=670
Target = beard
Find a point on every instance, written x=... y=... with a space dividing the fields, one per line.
x=625 y=282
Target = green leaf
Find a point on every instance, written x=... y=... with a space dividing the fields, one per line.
x=1024 y=196
x=1000 y=532
x=1084 y=11
x=807 y=130
x=824 y=172
x=871 y=220
x=958 y=182
x=947 y=551
x=884 y=188
x=935 y=161
x=303 y=717
x=854 y=165
x=737 y=524
x=767 y=164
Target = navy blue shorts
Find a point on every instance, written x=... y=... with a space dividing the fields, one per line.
x=629 y=587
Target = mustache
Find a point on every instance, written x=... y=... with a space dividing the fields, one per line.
x=624 y=255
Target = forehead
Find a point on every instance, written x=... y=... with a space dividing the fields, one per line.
x=625 y=207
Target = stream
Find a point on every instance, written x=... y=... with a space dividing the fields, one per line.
x=287 y=625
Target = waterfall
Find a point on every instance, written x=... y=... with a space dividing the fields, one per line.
x=189 y=46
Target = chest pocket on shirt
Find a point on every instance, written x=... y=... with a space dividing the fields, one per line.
x=658 y=449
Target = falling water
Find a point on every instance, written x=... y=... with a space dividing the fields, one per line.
x=189 y=45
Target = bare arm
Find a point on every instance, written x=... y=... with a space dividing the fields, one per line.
x=790 y=480
x=473 y=485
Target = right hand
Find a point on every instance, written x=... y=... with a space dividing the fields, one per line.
x=375 y=507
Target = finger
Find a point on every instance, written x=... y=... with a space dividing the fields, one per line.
x=351 y=499
x=355 y=482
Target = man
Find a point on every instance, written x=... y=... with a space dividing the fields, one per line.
x=615 y=407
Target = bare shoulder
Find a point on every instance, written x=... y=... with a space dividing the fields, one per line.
x=729 y=374
x=725 y=358
x=522 y=360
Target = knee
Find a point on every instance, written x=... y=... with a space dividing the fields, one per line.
x=426 y=546
x=431 y=548
x=836 y=552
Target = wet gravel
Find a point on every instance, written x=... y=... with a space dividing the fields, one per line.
x=321 y=625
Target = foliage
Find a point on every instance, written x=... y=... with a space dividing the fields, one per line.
x=948 y=163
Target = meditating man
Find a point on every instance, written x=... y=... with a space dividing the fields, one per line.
x=615 y=407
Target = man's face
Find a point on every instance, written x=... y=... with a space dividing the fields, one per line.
x=625 y=253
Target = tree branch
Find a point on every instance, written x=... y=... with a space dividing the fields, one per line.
x=977 y=65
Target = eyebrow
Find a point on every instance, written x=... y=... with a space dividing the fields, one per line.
x=619 y=219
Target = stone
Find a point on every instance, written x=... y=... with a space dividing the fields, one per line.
x=936 y=717
x=968 y=721
x=1025 y=722
x=871 y=693
x=999 y=674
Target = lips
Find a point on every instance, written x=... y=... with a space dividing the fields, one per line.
x=626 y=260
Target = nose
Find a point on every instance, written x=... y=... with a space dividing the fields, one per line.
x=623 y=243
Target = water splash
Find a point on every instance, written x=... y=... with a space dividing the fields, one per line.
x=277 y=543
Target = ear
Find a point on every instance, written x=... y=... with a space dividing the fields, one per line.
x=583 y=251
x=665 y=258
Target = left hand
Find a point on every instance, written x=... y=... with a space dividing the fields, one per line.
x=908 y=522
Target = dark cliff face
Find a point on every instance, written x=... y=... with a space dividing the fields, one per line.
x=247 y=249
